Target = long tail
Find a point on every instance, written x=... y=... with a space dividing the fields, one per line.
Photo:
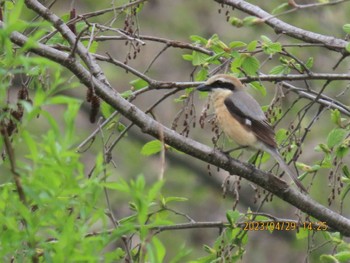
x=274 y=152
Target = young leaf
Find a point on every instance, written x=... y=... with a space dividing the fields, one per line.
x=280 y=8
x=335 y=137
x=199 y=58
x=237 y=44
x=259 y=87
x=138 y=84
x=126 y=94
x=187 y=57
x=346 y=171
x=302 y=234
x=348 y=47
x=202 y=74
x=251 y=65
x=251 y=20
x=281 y=135
x=151 y=148
x=236 y=22
x=252 y=46
x=328 y=259
x=346 y=28
x=279 y=70
x=106 y=109
x=335 y=116
x=266 y=39
x=199 y=39
x=310 y=62
x=232 y=216
x=343 y=256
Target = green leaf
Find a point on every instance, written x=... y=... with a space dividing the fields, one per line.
x=187 y=57
x=120 y=186
x=174 y=199
x=302 y=234
x=126 y=94
x=347 y=47
x=16 y=11
x=328 y=259
x=345 y=192
x=235 y=21
x=308 y=168
x=336 y=117
x=281 y=135
x=155 y=190
x=157 y=252
x=272 y=48
x=202 y=74
x=251 y=20
x=346 y=28
x=199 y=58
x=237 y=44
x=209 y=250
x=207 y=259
x=310 y=62
x=322 y=148
x=236 y=63
x=346 y=171
x=342 y=150
x=106 y=109
x=251 y=65
x=139 y=8
x=215 y=59
x=259 y=87
x=93 y=46
x=151 y=148
x=343 y=256
x=31 y=144
x=290 y=154
x=252 y=46
x=138 y=84
x=232 y=216
x=181 y=253
x=199 y=39
x=279 y=70
x=280 y=8
x=335 y=137
x=265 y=39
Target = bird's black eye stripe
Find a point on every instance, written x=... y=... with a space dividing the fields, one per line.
x=223 y=85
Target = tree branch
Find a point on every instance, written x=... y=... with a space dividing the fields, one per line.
x=279 y=26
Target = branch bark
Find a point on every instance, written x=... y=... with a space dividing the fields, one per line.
x=281 y=27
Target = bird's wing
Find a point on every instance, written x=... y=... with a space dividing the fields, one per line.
x=247 y=105
x=247 y=111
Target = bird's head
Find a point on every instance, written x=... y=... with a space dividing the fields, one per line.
x=221 y=81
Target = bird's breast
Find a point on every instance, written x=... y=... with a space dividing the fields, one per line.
x=230 y=126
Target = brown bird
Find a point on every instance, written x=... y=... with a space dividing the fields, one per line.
x=240 y=117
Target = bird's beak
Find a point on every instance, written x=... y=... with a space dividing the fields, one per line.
x=203 y=87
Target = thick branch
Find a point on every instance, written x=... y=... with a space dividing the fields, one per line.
x=279 y=26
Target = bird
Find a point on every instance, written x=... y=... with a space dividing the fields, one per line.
x=241 y=118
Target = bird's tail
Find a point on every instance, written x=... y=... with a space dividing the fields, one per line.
x=274 y=152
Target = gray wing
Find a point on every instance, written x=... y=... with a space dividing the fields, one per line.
x=247 y=105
